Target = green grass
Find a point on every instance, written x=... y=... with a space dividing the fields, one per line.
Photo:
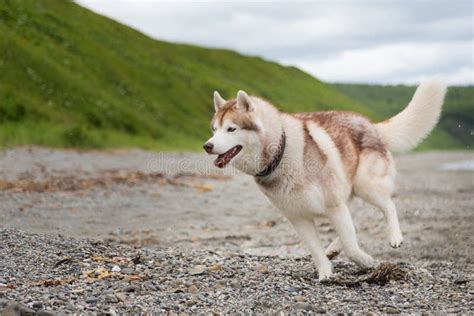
x=456 y=127
x=72 y=78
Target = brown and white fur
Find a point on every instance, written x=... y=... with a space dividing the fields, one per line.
x=329 y=157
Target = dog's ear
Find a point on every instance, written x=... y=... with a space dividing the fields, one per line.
x=244 y=102
x=218 y=101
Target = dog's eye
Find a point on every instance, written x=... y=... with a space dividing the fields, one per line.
x=231 y=129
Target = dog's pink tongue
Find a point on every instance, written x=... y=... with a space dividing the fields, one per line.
x=220 y=161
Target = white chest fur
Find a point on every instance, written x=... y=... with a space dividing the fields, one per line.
x=305 y=202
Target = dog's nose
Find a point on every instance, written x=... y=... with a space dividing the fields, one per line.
x=208 y=147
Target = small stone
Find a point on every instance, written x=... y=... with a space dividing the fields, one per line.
x=92 y=300
x=270 y=223
x=70 y=307
x=37 y=305
x=215 y=268
x=193 y=289
x=179 y=282
x=262 y=268
x=461 y=280
x=149 y=286
x=293 y=289
x=122 y=297
x=302 y=306
x=116 y=269
x=220 y=283
x=128 y=271
x=453 y=311
x=111 y=298
x=190 y=303
x=392 y=310
x=235 y=284
x=77 y=291
x=176 y=290
x=196 y=270
x=300 y=298
x=130 y=288
x=44 y=313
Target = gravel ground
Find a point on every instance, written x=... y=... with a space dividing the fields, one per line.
x=65 y=275
x=181 y=200
x=176 y=211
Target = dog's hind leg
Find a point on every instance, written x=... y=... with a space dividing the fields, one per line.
x=342 y=221
x=374 y=184
x=386 y=205
x=307 y=231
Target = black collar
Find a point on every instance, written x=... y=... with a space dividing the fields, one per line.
x=276 y=160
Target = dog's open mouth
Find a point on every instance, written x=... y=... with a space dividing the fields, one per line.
x=223 y=159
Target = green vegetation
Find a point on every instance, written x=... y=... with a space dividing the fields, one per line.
x=456 y=127
x=72 y=78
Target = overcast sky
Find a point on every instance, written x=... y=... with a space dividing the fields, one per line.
x=337 y=41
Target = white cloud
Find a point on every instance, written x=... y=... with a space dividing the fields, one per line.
x=384 y=41
x=395 y=63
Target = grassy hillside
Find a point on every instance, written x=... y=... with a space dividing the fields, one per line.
x=456 y=127
x=70 y=77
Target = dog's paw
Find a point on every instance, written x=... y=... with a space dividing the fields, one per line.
x=363 y=260
x=325 y=273
x=329 y=279
x=332 y=254
x=396 y=239
x=325 y=276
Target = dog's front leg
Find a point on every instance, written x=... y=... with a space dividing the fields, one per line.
x=307 y=231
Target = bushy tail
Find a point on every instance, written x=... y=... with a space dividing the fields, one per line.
x=408 y=128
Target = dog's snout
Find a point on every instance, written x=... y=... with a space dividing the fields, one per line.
x=208 y=147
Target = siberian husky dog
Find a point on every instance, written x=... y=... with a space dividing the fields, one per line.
x=312 y=164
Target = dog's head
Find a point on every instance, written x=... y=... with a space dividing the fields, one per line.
x=236 y=129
